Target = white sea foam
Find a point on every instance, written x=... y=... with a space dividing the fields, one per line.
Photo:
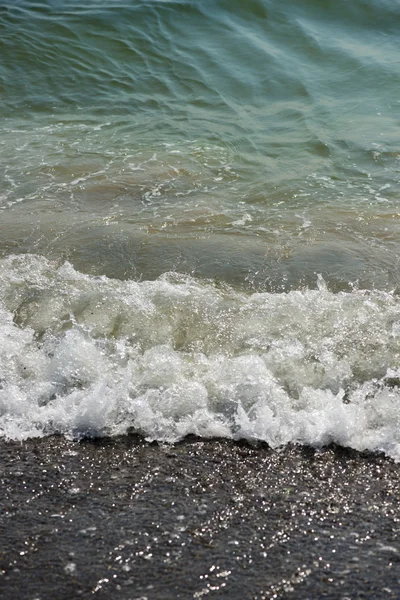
x=83 y=355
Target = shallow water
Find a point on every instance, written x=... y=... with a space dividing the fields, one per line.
x=117 y=518
x=199 y=220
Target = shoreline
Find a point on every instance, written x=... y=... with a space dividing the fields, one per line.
x=123 y=518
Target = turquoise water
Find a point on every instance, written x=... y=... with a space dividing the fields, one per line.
x=264 y=132
x=229 y=153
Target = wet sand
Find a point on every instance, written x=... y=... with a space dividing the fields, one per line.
x=124 y=519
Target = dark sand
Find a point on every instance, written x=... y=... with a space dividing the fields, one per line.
x=123 y=519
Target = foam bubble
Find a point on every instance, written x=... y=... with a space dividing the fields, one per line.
x=82 y=355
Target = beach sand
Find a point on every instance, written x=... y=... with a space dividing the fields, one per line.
x=125 y=519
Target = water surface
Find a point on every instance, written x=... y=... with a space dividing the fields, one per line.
x=199 y=219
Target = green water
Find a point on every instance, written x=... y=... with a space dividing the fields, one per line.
x=199 y=220
x=255 y=142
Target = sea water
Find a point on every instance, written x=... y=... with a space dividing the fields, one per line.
x=199 y=220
